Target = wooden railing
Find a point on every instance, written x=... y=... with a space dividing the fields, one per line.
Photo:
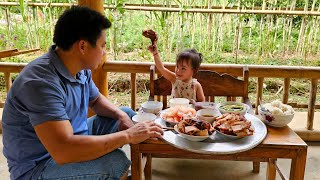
x=255 y=71
x=8 y=68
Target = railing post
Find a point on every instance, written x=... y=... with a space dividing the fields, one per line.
x=133 y=84
x=99 y=76
x=259 y=92
x=312 y=102
x=286 y=87
x=7 y=77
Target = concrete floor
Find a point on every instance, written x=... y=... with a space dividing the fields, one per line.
x=213 y=169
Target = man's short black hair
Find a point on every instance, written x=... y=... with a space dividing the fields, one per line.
x=79 y=23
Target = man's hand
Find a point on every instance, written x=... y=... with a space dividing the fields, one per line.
x=144 y=130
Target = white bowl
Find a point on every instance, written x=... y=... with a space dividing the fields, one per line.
x=189 y=137
x=179 y=102
x=152 y=107
x=208 y=115
x=143 y=117
x=274 y=120
x=242 y=111
x=205 y=105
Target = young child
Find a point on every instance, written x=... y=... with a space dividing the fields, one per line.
x=187 y=65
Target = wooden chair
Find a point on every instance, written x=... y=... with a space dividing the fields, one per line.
x=213 y=84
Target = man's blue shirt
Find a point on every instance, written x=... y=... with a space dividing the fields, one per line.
x=43 y=91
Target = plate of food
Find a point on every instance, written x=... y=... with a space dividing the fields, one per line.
x=193 y=130
x=233 y=126
x=175 y=114
x=215 y=143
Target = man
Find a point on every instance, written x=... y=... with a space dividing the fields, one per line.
x=45 y=131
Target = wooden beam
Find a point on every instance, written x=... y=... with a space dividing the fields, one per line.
x=15 y=52
x=308 y=135
x=187 y=9
x=232 y=69
x=7 y=53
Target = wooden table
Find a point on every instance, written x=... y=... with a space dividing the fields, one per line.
x=279 y=143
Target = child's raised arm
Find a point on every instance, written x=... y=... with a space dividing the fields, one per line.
x=169 y=75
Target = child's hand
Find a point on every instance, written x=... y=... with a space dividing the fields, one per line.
x=153 y=49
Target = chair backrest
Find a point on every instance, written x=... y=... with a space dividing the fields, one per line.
x=213 y=84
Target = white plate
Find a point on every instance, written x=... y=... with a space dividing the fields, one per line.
x=217 y=145
x=190 y=137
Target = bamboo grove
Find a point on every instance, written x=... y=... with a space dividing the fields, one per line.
x=269 y=30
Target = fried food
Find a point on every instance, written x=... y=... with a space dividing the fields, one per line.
x=233 y=124
x=194 y=127
x=152 y=35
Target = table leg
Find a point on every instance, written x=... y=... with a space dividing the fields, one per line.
x=256 y=166
x=271 y=169
x=298 y=165
x=148 y=167
x=136 y=162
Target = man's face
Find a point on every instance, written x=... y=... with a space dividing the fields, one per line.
x=94 y=55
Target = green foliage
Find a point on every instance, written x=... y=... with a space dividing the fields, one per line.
x=264 y=39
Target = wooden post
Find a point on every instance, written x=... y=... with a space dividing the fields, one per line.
x=286 y=88
x=312 y=102
x=7 y=77
x=99 y=76
x=259 y=92
x=133 y=90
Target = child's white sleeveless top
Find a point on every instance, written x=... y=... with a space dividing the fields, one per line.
x=182 y=89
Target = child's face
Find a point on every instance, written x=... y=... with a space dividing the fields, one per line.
x=184 y=71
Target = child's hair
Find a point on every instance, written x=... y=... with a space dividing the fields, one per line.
x=190 y=56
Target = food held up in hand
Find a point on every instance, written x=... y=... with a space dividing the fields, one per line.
x=233 y=124
x=152 y=35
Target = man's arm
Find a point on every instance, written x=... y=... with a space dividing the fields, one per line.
x=65 y=147
x=103 y=107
